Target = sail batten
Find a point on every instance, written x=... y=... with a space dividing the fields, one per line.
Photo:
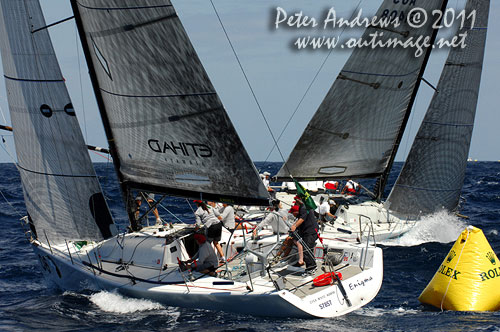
x=358 y=125
x=434 y=172
x=63 y=197
x=169 y=129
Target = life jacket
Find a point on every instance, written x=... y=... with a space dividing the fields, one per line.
x=352 y=187
x=332 y=185
x=326 y=279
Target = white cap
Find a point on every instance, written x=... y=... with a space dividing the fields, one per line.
x=267 y=173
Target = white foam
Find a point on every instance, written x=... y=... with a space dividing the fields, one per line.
x=493 y=232
x=113 y=302
x=378 y=312
x=441 y=226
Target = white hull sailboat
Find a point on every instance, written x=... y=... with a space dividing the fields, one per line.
x=432 y=177
x=144 y=265
x=169 y=134
x=363 y=131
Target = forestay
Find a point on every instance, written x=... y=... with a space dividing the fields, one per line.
x=434 y=172
x=61 y=191
x=168 y=131
x=358 y=126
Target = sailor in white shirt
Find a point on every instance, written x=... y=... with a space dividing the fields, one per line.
x=210 y=218
x=324 y=210
x=227 y=214
x=277 y=219
x=266 y=180
x=350 y=188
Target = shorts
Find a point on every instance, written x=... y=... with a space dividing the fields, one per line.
x=214 y=232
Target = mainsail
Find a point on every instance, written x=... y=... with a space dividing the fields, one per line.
x=166 y=126
x=433 y=174
x=62 y=194
x=358 y=126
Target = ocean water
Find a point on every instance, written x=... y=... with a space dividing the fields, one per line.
x=28 y=303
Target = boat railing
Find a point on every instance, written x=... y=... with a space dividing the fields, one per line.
x=371 y=231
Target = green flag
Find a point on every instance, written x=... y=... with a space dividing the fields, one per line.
x=305 y=197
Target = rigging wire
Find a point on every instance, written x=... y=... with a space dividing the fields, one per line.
x=310 y=85
x=247 y=80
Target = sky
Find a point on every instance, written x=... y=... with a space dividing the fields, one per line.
x=279 y=74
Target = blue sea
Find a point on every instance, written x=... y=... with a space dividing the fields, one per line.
x=28 y=303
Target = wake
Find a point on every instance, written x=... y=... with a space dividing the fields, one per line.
x=112 y=302
x=442 y=227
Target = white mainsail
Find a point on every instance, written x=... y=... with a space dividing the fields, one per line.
x=62 y=194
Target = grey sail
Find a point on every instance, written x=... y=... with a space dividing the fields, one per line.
x=62 y=194
x=433 y=174
x=357 y=128
x=167 y=128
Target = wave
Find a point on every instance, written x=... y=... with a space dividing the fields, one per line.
x=116 y=303
x=442 y=227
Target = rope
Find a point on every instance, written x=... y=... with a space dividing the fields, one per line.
x=248 y=81
x=454 y=269
x=12 y=206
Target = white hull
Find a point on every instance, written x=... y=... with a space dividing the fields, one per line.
x=355 y=222
x=171 y=287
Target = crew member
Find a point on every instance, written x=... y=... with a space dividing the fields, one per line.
x=350 y=188
x=307 y=227
x=206 y=216
x=277 y=219
x=150 y=198
x=205 y=260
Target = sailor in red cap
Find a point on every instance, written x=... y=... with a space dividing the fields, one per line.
x=205 y=260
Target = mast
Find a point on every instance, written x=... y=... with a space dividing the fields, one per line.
x=382 y=181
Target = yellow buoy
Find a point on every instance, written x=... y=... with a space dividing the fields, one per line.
x=469 y=277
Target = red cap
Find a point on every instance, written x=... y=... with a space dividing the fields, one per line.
x=294 y=208
x=198 y=201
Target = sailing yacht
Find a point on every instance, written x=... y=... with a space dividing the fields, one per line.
x=158 y=108
x=432 y=177
x=361 y=123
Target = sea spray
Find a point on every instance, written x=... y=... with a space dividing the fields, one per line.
x=442 y=226
x=113 y=302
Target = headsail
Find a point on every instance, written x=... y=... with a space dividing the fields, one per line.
x=62 y=194
x=356 y=129
x=434 y=172
x=166 y=126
